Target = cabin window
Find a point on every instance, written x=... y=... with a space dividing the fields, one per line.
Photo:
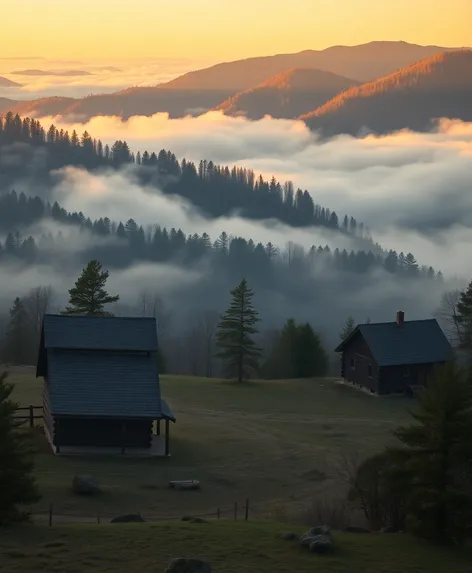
x=370 y=370
x=353 y=364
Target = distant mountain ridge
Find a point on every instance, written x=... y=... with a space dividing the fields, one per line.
x=287 y=95
x=51 y=73
x=439 y=86
x=196 y=92
x=6 y=83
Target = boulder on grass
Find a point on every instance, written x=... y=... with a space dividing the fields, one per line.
x=389 y=529
x=185 y=484
x=320 y=530
x=188 y=566
x=322 y=544
x=85 y=485
x=356 y=529
x=289 y=535
x=306 y=540
x=128 y=518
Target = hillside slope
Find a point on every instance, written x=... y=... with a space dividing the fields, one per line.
x=6 y=104
x=42 y=107
x=440 y=86
x=6 y=83
x=287 y=95
x=196 y=92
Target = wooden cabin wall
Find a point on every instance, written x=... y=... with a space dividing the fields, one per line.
x=398 y=379
x=94 y=432
x=357 y=353
x=48 y=420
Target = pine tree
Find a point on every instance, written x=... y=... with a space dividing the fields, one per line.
x=348 y=328
x=17 y=484
x=311 y=358
x=17 y=345
x=89 y=296
x=464 y=318
x=436 y=458
x=234 y=336
x=297 y=353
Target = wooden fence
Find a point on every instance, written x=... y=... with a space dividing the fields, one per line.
x=51 y=515
x=28 y=414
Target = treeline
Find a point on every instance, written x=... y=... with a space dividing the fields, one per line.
x=216 y=344
x=217 y=189
x=132 y=243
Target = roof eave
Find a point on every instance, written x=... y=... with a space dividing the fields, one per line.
x=343 y=344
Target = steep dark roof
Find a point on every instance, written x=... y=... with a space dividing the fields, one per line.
x=100 y=332
x=102 y=367
x=117 y=385
x=414 y=342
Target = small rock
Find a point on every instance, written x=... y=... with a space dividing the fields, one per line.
x=128 y=518
x=85 y=485
x=188 y=566
x=289 y=535
x=389 y=529
x=187 y=518
x=306 y=540
x=191 y=484
x=322 y=544
x=320 y=530
x=198 y=520
x=356 y=529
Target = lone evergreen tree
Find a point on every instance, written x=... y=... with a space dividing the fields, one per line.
x=464 y=318
x=17 y=342
x=89 y=296
x=234 y=335
x=348 y=328
x=312 y=359
x=297 y=353
x=436 y=458
x=17 y=484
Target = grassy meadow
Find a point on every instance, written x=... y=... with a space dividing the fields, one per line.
x=229 y=547
x=277 y=443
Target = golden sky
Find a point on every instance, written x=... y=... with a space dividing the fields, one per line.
x=222 y=29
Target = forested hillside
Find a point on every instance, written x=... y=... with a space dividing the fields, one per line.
x=216 y=189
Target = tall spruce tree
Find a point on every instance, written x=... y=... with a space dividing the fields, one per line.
x=436 y=458
x=17 y=484
x=464 y=318
x=349 y=326
x=237 y=349
x=18 y=342
x=89 y=296
x=311 y=358
x=297 y=353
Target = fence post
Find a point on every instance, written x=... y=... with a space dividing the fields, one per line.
x=235 y=510
x=50 y=514
x=31 y=416
x=246 y=515
x=218 y=513
x=98 y=517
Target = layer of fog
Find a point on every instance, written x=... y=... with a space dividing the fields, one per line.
x=187 y=291
x=106 y=76
x=411 y=189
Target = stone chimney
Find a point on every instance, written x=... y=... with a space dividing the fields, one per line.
x=400 y=317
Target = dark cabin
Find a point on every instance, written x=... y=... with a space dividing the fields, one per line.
x=101 y=383
x=393 y=357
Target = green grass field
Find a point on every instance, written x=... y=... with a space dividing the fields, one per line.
x=277 y=443
x=229 y=547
